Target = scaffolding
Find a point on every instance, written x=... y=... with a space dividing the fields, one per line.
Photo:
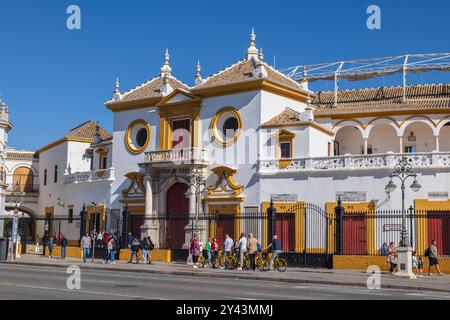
x=360 y=70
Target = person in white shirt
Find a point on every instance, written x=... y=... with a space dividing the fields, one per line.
x=243 y=249
x=227 y=247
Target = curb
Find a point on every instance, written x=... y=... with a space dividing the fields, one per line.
x=232 y=276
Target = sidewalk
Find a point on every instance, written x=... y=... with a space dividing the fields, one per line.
x=292 y=275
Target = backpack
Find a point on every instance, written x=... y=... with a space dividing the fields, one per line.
x=427 y=252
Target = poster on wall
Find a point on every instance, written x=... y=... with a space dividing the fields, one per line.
x=352 y=196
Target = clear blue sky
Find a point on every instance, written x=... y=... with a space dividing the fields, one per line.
x=54 y=79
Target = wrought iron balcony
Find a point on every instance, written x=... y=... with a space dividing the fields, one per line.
x=185 y=156
x=89 y=176
x=431 y=160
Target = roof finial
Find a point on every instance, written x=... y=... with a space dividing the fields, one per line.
x=117 y=95
x=198 y=76
x=166 y=70
x=252 y=51
x=261 y=54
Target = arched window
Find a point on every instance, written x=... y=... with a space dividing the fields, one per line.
x=24 y=177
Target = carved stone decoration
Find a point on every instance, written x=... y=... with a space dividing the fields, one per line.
x=225 y=183
x=136 y=187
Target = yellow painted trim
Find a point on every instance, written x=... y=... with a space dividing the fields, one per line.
x=214 y=129
x=445 y=119
x=306 y=124
x=362 y=125
x=227 y=173
x=119 y=106
x=62 y=140
x=134 y=177
x=164 y=101
x=128 y=144
x=418 y=117
x=385 y=118
x=132 y=201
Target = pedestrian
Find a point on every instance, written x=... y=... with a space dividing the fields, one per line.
x=130 y=239
x=59 y=239
x=227 y=247
x=384 y=250
x=432 y=253
x=195 y=251
x=105 y=242
x=135 y=246
x=50 y=247
x=44 y=243
x=276 y=248
x=112 y=249
x=243 y=249
x=214 y=252
x=64 y=244
x=145 y=245
x=420 y=266
x=253 y=245
x=208 y=252
x=392 y=257
x=189 y=257
x=86 y=246
x=36 y=247
x=415 y=263
x=152 y=247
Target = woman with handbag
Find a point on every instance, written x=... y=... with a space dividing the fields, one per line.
x=392 y=257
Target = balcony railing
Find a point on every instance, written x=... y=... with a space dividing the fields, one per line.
x=355 y=162
x=89 y=176
x=177 y=156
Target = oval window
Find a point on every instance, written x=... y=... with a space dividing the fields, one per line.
x=141 y=137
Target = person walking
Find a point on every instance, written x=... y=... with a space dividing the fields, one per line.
x=195 y=251
x=86 y=246
x=243 y=248
x=112 y=248
x=44 y=243
x=384 y=250
x=214 y=252
x=276 y=250
x=50 y=247
x=64 y=244
x=36 y=247
x=227 y=247
x=151 y=247
x=208 y=252
x=253 y=244
x=129 y=240
x=432 y=253
x=135 y=246
x=392 y=257
x=145 y=245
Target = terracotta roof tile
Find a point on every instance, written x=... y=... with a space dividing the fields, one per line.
x=87 y=131
x=151 y=89
x=242 y=72
x=419 y=97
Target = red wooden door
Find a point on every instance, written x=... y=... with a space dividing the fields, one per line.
x=136 y=222
x=225 y=224
x=285 y=230
x=354 y=235
x=439 y=230
x=177 y=207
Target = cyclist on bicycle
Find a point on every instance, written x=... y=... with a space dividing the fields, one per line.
x=276 y=250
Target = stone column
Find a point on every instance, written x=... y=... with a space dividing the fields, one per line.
x=151 y=225
x=365 y=145
x=437 y=144
x=400 y=144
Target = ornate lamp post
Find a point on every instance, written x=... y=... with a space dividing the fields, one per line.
x=16 y=198
x=403 y=171
x=199 y=186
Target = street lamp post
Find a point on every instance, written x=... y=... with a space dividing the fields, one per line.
x=94 y=235
x=17 y=198
x=198 y=183
x=403 y=171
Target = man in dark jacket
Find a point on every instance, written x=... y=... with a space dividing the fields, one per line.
x=135 y=246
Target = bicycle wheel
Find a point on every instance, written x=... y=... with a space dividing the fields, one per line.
x=281 y=264
x=230 y=263
x=202 y=261
x=260 y=263
x=218 y=262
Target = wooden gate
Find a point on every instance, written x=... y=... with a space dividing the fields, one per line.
x=354 y=232
x=439 y=230
x=177 y=216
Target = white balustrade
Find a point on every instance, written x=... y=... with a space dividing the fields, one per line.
x=356 y=162
x=177 y=156
x=89 y=176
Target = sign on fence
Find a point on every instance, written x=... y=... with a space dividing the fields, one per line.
x=284 y=197
x=392 y=227
x=352 y=196
x=436 y=195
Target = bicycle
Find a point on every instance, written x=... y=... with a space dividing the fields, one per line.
x=279 y=263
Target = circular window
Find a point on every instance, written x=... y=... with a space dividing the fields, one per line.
x=226 y=126
x=137 y=137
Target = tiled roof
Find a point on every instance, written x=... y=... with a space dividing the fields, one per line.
x=151 y=89
x=419 y=97
x=242 y=71
x=87 y=131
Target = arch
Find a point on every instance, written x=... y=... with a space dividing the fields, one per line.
x=348 y=122
x=418 y=136
x=24 y=177
x=442 y=122
x=26 y=210
x=177 y=209
x=418 y=118
x=23 y=164
x=378 y=121
x=31 y=221
x=383 y=138
x=348 y=142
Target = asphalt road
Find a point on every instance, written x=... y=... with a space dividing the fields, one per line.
x=37 y=283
